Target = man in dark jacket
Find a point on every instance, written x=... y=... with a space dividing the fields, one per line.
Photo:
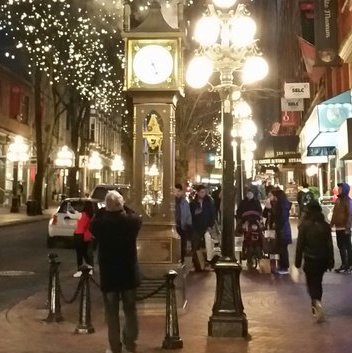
x=342 y=221
x=203 y=218
x=116 y=233
x=183 y=218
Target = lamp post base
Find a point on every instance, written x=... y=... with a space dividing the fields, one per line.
x=15 y=204
x=228 y=319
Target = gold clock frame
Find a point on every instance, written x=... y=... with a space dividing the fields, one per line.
x=172 y=84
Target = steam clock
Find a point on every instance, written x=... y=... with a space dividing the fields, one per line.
x=153 y=76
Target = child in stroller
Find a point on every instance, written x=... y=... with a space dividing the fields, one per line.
x=250 y=226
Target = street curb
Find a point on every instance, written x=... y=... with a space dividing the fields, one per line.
x=24 y=221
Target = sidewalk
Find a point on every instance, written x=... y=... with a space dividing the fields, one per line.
x=277 y=308
x=7 y=218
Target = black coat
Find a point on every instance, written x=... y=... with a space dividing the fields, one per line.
x=203 y=215
x=315 y=245
x=116 y=235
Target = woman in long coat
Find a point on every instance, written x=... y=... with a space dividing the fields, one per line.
x=281 y=215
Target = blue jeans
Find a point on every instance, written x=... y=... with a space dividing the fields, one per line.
x=112 y=307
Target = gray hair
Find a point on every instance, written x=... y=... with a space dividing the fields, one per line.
x=114 y=201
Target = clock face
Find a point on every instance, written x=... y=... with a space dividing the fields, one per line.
x=153 y=64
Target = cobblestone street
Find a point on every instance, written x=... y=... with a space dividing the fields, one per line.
x=278 y=311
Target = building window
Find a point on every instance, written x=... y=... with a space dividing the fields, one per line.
x=68 y=123
x=15 y=102
x=25 y=110
x=92 y=130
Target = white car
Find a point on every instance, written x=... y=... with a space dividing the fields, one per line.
x=63 y=222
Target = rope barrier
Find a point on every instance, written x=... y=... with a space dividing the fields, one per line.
x=75 y=294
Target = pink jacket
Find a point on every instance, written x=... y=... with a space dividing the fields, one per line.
x=82 y=227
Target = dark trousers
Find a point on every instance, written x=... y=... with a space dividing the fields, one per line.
x=284 y=262
x=345 y=247
x=183 y=235
x=197 y=241
x=84 y=250
x=112 y=308
x=314 y=279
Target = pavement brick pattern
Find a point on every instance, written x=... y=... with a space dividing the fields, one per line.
x=278 y=311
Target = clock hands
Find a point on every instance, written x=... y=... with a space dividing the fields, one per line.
x=155 y=70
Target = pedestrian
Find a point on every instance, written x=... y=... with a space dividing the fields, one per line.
x=315 y=246
x=304 y=197
x=116 y=233
x=83 y=239
x=203 y=219
x=281 y=216
x=216 y=195
x=183 y=218
x=249 y=204
x=268 y=209
x=341 y=220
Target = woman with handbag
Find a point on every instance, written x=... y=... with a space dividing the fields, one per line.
x=83 y=239
x=281 y=213
x=315 y=246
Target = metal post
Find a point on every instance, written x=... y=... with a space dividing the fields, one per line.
x=239 y=177
x=228 y=194
x=172 y=337
x=85 y=324
x=15 y=199
x=228 y=319
x=54 y=290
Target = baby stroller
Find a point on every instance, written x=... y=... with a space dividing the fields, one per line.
x=252 y=230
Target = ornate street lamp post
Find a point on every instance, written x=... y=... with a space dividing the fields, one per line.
x=65 y=158
x=227 y=46
x=117 y=166
x=18 y=151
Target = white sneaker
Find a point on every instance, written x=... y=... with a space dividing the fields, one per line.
x=91 y=272
x=77 y=274
x=283 y=272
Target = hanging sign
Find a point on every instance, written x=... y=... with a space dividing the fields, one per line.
x=326 y=33
x=292 y=105
x=218 y=162
x=297 y=90
x=289 y=119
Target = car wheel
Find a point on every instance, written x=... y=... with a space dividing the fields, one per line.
x=50 y=242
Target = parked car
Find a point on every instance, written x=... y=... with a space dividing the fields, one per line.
x=63 y=222
x=100 y=191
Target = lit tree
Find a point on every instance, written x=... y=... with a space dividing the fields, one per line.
x=69 y=45
x=197 y=118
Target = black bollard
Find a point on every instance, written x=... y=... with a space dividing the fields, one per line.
x=172 y=337
x=54 y=290
x=85 y=324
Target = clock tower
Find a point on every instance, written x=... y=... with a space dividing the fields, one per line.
x=153 y=76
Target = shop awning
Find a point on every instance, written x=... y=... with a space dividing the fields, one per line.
x=278 y=147
x=321 y=128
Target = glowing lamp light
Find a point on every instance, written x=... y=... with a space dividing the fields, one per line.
x=250 y=146
x=242 y=110
x=117 y=164
x=242 y=31
x=255 y=69
x=207 y=31
x=199 y=71
x=18 y=150
x=247 y=129
x=224 y=4
x=95 y=162
x=312 y=170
